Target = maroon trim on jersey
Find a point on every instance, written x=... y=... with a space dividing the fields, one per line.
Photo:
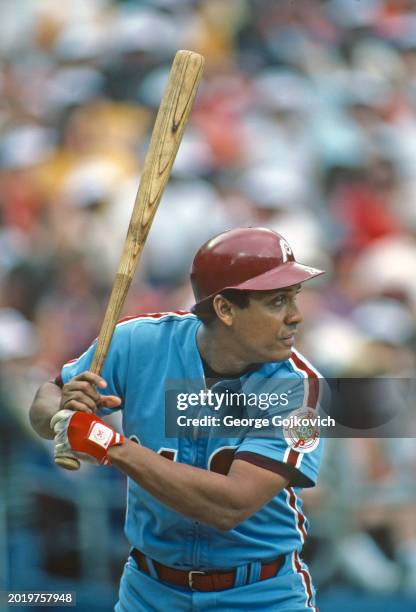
x=58 y=381
x=295 y=477
x=313 y=393
x=301 y=518
x=312 y=399
x=292 y=458
x=306 y=579
x=154 y=315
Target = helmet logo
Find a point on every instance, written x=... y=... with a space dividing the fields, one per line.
x=286 y=250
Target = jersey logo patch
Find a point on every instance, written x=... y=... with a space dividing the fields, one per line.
x=301 y=430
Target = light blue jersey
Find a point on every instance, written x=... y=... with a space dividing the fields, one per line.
x=145 y=354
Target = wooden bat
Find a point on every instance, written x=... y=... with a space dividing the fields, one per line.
x=168 y=130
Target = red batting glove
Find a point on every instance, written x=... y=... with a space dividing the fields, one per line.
x=84 y=433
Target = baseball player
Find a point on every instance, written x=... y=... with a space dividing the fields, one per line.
x=214 y=521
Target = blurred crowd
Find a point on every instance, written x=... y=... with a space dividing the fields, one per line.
x=305 y=122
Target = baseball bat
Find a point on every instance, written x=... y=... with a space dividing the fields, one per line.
x=171 y=119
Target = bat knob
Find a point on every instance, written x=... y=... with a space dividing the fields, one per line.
x=68 y=463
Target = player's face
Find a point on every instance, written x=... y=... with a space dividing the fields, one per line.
x=266 y=329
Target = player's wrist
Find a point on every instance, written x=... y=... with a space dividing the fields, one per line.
x=118 y=453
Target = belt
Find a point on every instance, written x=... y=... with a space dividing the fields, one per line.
x=196 y=580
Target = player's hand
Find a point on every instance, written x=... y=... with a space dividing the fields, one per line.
x=81 y=394
x=89 y=436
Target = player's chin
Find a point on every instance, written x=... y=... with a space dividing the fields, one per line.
x=277 y=354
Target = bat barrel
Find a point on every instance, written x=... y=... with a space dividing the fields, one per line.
x=171 y=120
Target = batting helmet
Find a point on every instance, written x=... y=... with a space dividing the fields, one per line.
x=248 y=259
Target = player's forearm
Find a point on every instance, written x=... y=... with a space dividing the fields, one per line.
x=44 y=406
x=205 y=496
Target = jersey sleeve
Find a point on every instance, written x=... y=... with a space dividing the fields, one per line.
x=114 y=370
x=277 y=451
x=301 y=469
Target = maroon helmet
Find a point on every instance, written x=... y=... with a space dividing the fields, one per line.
x=246 y=258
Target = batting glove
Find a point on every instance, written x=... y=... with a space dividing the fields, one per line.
x=87 y=434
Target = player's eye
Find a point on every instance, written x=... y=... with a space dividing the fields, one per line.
x=278 y=301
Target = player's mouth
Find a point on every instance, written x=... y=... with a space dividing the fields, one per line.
x=288 y=340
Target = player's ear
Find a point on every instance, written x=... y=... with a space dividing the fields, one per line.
x=224 y=309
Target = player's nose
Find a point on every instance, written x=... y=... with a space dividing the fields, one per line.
x=294 y=315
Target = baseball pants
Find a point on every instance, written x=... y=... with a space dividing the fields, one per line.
x=290 y=591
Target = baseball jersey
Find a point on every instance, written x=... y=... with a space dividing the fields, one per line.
x=147 y=353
